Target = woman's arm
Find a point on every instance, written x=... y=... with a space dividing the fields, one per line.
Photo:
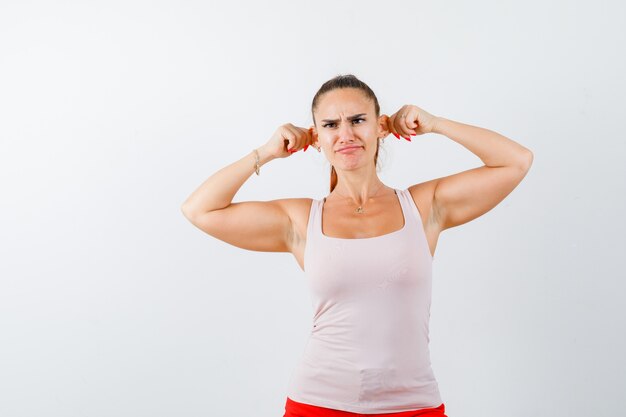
x=254 y=225
x=467 y=195
x=491 y=147
x=219 y=189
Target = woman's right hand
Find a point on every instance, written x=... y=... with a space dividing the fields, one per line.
x=288 y=139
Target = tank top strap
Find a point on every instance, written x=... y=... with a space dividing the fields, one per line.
x=411 y=215
x=313 y=227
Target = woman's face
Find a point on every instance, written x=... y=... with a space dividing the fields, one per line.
x=345 y=117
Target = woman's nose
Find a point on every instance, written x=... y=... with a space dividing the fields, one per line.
x=345 y=131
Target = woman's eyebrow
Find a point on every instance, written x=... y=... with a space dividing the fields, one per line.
x=349 y=118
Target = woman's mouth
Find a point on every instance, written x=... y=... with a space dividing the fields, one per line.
x=349 y=149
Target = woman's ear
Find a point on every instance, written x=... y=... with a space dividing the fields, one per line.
x=383 y=126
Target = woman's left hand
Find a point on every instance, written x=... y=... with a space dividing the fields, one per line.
x=409 y=121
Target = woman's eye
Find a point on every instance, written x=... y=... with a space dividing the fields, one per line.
x=328 y=124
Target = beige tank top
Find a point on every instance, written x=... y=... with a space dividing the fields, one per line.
x=368 y=347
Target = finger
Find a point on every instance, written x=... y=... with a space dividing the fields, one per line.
x=407 y=120
x=400 y=126
x=403 y=128
x=304 y=137
x=391 y=125
x=289 y=137
x=295 y=141
x=391 y=129
x=309 y=138
x=399 y=123
x=411 y=123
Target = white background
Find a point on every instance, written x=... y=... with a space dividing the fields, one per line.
x=112 y=113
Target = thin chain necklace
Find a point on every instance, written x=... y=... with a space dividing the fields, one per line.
x=359 y=209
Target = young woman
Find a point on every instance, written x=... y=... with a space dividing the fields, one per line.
x=366 y=248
